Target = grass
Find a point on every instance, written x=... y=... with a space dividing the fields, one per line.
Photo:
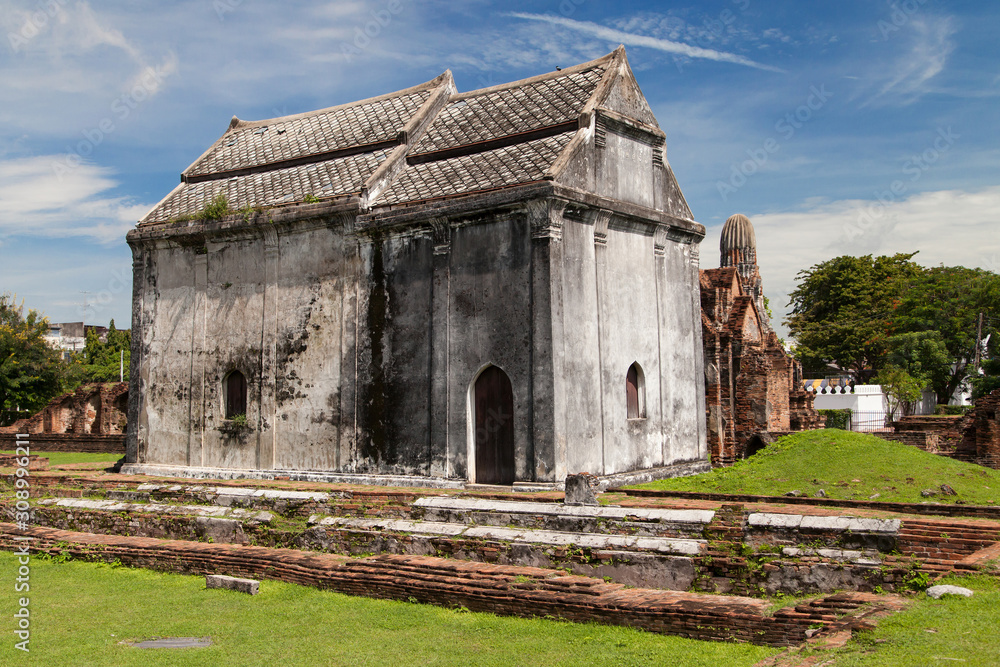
x=60 y=458
x=952 y=630
x=80 y=612
x=845 y=465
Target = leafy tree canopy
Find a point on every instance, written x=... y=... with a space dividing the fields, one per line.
x=989 y=380
x=948 y=300
x=31 y=372
x=842 y=311
x=864 y=314
x=101 y=361
x=902 y=390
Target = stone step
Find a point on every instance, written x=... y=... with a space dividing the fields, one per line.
x=157 y=508
x=663 y=545
x=565 y=518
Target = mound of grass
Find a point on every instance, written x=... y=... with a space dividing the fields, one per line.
x=81 y=612
x=846 y=465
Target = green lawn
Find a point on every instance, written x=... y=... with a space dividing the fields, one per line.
x=950 y=631
x=81 y=611
x=59 y=458
x=845 y=465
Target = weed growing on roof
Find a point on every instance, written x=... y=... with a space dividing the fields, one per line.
x=216 y=209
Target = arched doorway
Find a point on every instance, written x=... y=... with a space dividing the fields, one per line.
x=755 y=444
x=493 y=412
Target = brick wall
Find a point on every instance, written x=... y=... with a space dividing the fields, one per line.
x=113 y=445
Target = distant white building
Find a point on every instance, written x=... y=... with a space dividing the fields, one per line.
x=70 y=337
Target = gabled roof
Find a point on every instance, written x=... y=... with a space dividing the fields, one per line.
x=514 y=108
x=319 y=133
x=423 y=143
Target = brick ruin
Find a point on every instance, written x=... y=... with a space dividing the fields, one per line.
x=90 y=419
x=642 y=564
x=974 y=437
x=753 y=388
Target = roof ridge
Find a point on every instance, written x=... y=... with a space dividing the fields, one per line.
x=237 y=123
x=586 y=116
x=582 y=67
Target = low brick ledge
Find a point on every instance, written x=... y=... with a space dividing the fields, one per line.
x=977 y=511
x=499 y=589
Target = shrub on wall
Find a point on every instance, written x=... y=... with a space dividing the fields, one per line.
x=953 y=409
x=838 y=418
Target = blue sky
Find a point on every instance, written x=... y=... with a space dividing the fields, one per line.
x=840 y=128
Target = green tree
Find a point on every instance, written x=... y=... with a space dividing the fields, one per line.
x=102 y=360
x=922 y=354
x=947 y=300
x=989 y=380
x=843 y=309
x=901 y=389
x=31 y=371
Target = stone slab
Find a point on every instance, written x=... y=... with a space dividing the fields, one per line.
x=159 y=508
x=397 y=525
x=766 y=520
x=248 y=586
x=868 y=557
x=827 y=523
x=294 y=475
x=588 y=540
x=555 y=509
x=174 y=642
x=548 y=537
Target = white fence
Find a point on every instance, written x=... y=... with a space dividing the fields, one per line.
x=867 y=402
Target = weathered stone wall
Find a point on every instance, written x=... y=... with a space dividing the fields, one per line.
x=336 y=333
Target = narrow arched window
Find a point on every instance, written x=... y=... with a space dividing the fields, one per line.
x=236 y=394
x=635 y=392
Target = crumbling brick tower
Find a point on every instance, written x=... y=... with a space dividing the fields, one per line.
x=753 y=388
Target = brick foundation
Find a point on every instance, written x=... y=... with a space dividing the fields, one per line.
x=504 y=590
x=69 y=442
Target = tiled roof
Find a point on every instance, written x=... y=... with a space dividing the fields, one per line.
x=252 y=144
x=505 y=111
x=342 y=176
x=457 y=144
x=488 y=170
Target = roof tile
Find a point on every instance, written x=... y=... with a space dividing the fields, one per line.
x=254 y=144
x=507 y=111
x=501 y=167
x=343 y=176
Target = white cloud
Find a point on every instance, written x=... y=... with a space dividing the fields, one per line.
x=950 y=227
x=37 y=199
x=666 y=45
x=71 y=56
x=905 y=79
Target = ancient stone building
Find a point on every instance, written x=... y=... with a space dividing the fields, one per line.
x=497 y=286
x=753 y=388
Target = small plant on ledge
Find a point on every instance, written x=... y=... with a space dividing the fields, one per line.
x=236 y=425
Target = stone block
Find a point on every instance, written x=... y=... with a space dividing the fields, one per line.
x=582 y=489
x=248 y=586
x=767 y=520
x=937 y=591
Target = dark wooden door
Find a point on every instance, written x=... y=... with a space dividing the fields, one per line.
x=236 y=395
x=494 y=414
